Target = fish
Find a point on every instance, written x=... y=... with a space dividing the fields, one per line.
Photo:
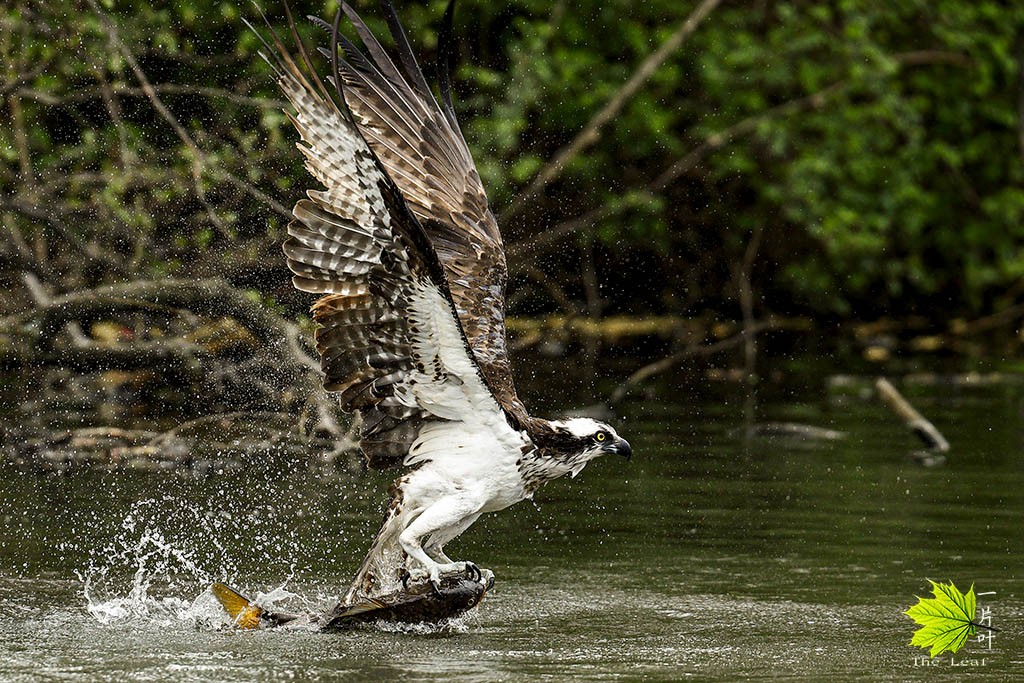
x=417 y=604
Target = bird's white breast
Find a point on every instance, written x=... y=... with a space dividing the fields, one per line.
x=475 y=459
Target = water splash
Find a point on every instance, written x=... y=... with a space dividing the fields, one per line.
x=452 y=625
x=167 y=548
x=152 y=565
x=139 y=606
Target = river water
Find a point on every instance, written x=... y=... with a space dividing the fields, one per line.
x=711 y=554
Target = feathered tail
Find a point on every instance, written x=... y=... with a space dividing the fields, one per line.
x=384 y=564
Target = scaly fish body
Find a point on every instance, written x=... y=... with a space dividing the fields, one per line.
x=418 y=604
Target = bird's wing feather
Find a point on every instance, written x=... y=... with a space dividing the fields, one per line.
x=390 y=341
x=423 y=151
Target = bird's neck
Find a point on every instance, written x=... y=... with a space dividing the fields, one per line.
x=539 y=466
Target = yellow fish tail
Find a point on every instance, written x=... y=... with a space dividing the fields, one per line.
x=245 y=614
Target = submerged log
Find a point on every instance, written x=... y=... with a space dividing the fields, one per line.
x=914 y=420
x=35 y=337
x=794 y=430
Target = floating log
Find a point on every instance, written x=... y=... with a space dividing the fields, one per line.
x=914 y=420
x=793 y=430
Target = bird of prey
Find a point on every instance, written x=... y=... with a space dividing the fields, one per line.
x=407 y=257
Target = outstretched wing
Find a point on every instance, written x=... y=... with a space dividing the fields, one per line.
x=390 y=341
x=422 y=148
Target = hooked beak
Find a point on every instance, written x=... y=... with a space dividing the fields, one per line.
x=621 y=447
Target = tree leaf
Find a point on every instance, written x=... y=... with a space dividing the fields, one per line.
x=946 y=620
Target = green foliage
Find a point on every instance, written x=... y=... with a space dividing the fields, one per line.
x=946 y=620
x=900 y=189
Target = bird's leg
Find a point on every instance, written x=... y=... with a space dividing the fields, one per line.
x=434 y=548
x=472 y=571
x=435 y=551
x=446 y=514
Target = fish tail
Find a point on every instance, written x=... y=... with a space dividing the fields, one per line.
x=244 y=613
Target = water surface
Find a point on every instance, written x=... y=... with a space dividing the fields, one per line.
x=709 y=554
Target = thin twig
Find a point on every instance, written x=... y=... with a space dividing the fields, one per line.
x=199 y=160
x=114 y=109
x=553 y=288
x=91 y=250
x=165 y=88
x=27 y=77
x=24 y=251
x=991 y=321
x=714 y=141
x=252 y=190
x=667 y=363
x=20 y=137
x=746 y=292
x=592 y=290
x=591 y=131
x=551 y=236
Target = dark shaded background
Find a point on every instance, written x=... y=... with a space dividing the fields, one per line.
x=870 y=151
x=667 y=174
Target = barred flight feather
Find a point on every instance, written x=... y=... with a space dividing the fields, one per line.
x=390 y=338
x=423 y=151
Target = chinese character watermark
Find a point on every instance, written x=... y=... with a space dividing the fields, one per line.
x=984 y=619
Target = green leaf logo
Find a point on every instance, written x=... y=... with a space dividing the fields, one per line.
x=947 y=620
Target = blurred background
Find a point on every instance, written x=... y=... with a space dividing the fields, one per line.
x=727 y=221
x=700 y=184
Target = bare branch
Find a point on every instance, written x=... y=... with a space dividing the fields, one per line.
x=667 y=363
x=746 y=297
x=90 y=250
x=253 y=191
x=915 y=421
x=20 y=138
x=114 y=109
x=715 y=141
x=167 y=88
x=27 y=77
x=555 y=234
x=553 y=288
x=199 y=160
x=591 y=132
x=36 y=289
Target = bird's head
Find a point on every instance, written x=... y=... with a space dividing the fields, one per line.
x=583 y=439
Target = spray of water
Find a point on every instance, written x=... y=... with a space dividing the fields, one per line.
x=154 y=565
x=167 y=548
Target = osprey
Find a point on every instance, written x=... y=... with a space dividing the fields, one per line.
x=406 y=253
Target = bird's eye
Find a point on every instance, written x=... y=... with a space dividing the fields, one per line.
x=601 y=436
